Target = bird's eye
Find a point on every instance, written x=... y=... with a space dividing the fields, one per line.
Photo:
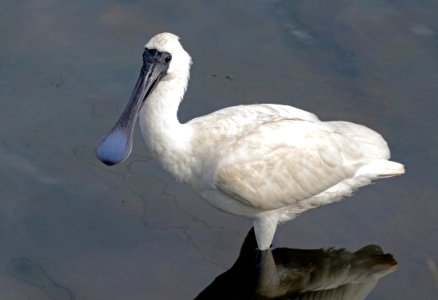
x=168 y=58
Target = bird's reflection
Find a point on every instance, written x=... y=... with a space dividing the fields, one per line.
x=285 y=273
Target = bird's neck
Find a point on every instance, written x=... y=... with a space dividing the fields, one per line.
x=167 y=139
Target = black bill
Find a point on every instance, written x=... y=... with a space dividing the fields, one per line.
x=117 y=144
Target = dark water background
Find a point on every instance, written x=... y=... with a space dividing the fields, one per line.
x=71 y=228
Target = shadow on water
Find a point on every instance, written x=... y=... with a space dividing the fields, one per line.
x=285 y=273
x=27 y=271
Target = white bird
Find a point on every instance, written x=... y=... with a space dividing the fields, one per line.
x=266 y=162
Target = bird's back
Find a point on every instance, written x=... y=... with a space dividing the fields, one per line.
x=215 y=131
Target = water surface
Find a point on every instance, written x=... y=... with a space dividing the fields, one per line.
x=72 y=228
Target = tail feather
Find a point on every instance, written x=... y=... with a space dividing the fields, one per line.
x=381 y=168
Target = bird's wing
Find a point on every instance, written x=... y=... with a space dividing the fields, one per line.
x=283 y=161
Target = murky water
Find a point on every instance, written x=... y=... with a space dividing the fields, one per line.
x=71 y=228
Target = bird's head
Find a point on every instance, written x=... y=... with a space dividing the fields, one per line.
x=164 y=59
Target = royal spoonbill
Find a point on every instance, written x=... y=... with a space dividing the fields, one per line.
x=266 y=162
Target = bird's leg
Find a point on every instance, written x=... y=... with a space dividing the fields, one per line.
x=268 y=283
x=264 y=227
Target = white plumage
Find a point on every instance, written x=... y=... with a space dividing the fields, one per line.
x=266 y=162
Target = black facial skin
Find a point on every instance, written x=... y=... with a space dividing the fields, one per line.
x=154 y=62
x=117 y=144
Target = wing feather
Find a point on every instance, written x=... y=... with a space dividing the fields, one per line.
x=281 y=162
